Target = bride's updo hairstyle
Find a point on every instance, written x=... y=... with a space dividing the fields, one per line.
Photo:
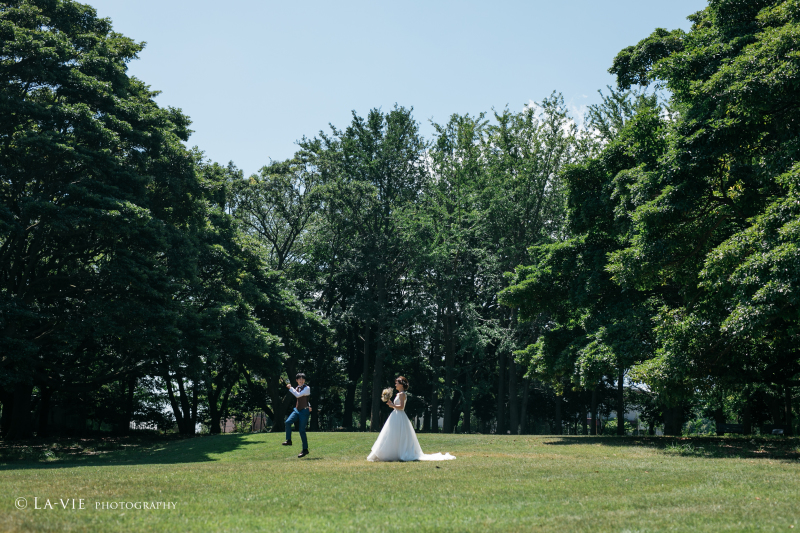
x=403 y=381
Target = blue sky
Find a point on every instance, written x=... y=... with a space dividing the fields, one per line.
x=256 y=75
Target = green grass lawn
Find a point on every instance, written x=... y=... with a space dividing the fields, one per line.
x=497 y=483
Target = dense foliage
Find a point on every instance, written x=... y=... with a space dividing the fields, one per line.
x=119 y=263
x=691 y=228
x=527 y=272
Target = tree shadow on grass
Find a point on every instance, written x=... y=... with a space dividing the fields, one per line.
x=136 y=450
x=785 y=448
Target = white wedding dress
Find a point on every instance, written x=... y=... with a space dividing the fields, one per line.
x=398 y=441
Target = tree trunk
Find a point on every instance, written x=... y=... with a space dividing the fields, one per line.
x=501 y=392
x=380 y=354
x=621 y=403
x=719 y=419
x=435 y=362
x=776 y=408
x=7 y=399
x=44 y=413
x=434 y=409
x=458 y=400
x=377 y=384
x=523 y=417
x=426 y=414
x=668 y=425
x=449 y=356
x=467 y=402
x=673 y=420
x=593 y=430
x=213 y=410
x=188 y=428
x=747 y=417
x=584 y=423
x=223 y=411
x=365 y=399
x=513 y=397
x=195 y=400
x=349 y=405
x=279 y=404
x=352 y=381
x=127 y=414
x=558 y=429
x=787 y=395
x=176 y=410
x=21 y=414
x=314 y=415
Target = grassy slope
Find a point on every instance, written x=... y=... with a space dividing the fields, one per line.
x=530 y=483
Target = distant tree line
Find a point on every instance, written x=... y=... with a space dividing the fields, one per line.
x=527 y=272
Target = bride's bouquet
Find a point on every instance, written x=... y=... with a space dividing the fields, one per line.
x=386 y=395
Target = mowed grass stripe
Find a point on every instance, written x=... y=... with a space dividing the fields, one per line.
x=522 y=483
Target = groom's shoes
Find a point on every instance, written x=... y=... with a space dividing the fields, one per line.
x=303 y=453
x=287 y=443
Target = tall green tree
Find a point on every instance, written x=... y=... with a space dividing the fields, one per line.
x=383 y=155
x=452 y=244
x=525 y=206
x=715 y=219
x=251 y=326
x=591 y=331
x=95 y=184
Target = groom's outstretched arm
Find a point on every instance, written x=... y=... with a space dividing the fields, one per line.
x=305 y=392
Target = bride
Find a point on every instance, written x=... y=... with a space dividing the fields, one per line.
x=398 y=441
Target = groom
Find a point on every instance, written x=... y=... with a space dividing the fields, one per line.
x=301 y=410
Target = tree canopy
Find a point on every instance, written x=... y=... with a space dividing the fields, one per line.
x=527 y=271
x=698 y=210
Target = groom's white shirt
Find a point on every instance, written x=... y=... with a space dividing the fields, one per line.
x=305 y=392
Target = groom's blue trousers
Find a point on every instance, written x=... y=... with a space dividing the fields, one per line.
x=303 y=416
